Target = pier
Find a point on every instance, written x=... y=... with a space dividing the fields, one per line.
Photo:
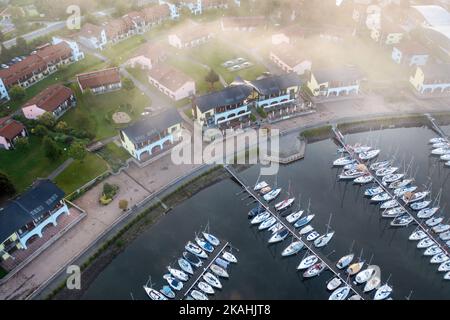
x=421 y=225
x=199 y=272
x=322 y=258
x=436 y=127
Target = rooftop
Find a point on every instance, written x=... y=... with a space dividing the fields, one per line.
x=10 y=128
x=343 y=74
x=169 y=77
x=99 y=78
x=51 y=98
x=275 y=84
x=289 y=54
x=23 y=69
x=228 y=96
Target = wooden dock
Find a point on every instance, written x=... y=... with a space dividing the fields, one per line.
x=322 y=258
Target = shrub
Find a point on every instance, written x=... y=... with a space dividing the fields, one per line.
x=123 y=204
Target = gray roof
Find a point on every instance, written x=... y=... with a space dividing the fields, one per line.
x=435 y=71
x=230 y=95
x=148 y=127
x=273 y=85
x=344 y=74
x=41 y=197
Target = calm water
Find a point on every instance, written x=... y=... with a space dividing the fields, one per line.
x=261 y=272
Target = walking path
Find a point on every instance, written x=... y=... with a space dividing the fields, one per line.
x=60 y=169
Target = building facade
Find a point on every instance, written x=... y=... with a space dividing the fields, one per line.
x=101 y=81
x=431 y=80
x=172 y=82
x=335 y=82
x=10 y=131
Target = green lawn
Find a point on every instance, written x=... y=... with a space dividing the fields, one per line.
x=24 y=166
x=80 y=173
x=93 y=112
x=121 y=51
x=216 y=52
x=61 y=76
x=115 y=156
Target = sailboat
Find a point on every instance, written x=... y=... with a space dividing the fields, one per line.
x=383 y=292
x=364 y=276
x=334 y=283
x=260 y=185
x=272 y=195
x=345 y=261
x=284 y=204
x=427 y=212
x=307 y=262
x=293 y=217
x=154 y=294
x=293 y=248
x=314 y=270
x=323 y=240
x=417 y=235
x=340 y=293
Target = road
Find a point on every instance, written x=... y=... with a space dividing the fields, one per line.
x=51 y=27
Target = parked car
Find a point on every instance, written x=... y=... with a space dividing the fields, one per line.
x=4 y=66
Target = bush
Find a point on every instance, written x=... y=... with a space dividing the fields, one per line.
x=261 y=112
x=17 y=93
x=252 y=118
x=51 y=148
x=123 y=205
x=104 y=200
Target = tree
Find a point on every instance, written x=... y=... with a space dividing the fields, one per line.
x=77 y=151
x=21 y=143
x=21 y=44
x=123 y=205
x=51 y=148
x=47 y=119
x=127 y=84
x=7 y=188
x=212 y=77
x=62 y=126
x=40 y=130
x=17 y=93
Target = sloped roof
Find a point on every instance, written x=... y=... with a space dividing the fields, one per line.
x=169 y=77
x=23 y=69
x=343 y=74
x=10 y=128
x=229 y=95
x=275 y=84
x=50 y=98
x=99 y=78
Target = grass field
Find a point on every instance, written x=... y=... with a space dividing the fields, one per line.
x=63 y=75
x=114 y=155
x=24 y=166
x=93 y=112
x=81 y=172
x=121 y=51
x=216 y=52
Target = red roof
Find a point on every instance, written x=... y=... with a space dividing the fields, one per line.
x=23 y=70
x=10 y=128
x=54 y=53
x=98 y=78
x=51 y=98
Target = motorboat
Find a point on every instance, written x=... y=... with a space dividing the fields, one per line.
x=439 y=258
x=364 y=276
x=445 y=157
x=367 y=178
x=173 y=282
x=305 y=230
x=222 y=263
x=393 y=213
x=441 y=228
x=265 y=190
x=414 y=197
x=343 y=161
x=381 y=197
x=293 y=217
x=345 y=261
x=279 y=236
x=212 y=280
x=402 y=221
x=417 y=206
x=383 y=292
x=180 y=275
x=392 y=177
x=167 y=292
x=260 y=185
x=197 y=295
x=293 y=248
x=334 y=284
x=417 y=235
x=445 y=236
x=444 y=267
x=372 y=284
x=154 y=294
x=260 y=217
x=401 y=191
x=437 y=140
x=447 y=276
x=427 y=213
x=312 y=236
x=440 y=145
x=385 y=171
x=307 y=262
x=323 y=240
x=304 y=221
x=351 y=174
x=205 y=245
x=369 y=155
x=192 y=259
x=425 y=243
x=340 y=293
x=400 y=184
x=185 y=266
x=380 y=165
x=371 y=192
x=433 y=250
x=211 y=239
x=389 y=204
x=206 y=288
x=440 y=151
x=219 y=271
x=194 y=249
x=228 y=256
x=276 y=227
x=255 y=211
x=355 y=268
x=284 y=204
x=267 y=223
x=314 y=270
x=361 y=148
x=272 y=195
x=434 y=221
